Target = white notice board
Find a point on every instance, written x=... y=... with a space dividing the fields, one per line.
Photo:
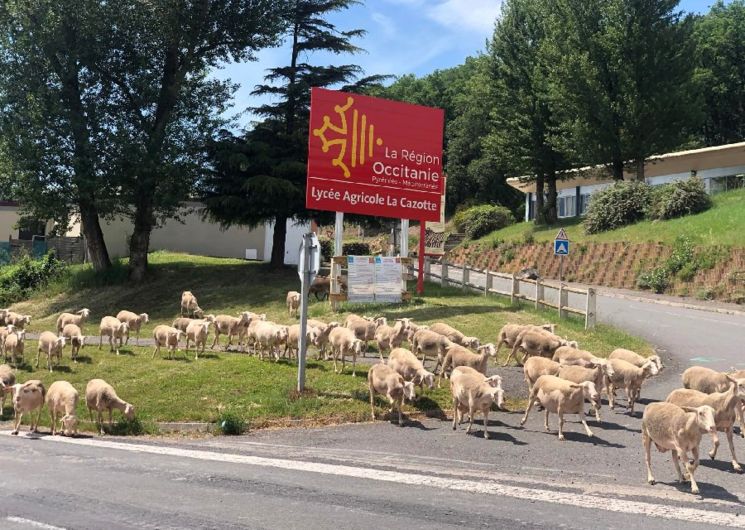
x=361 y=279
x=388 y=280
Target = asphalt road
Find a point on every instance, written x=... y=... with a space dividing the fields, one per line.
x=379 y=475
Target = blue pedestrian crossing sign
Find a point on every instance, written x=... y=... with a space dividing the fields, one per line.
x=561 y=244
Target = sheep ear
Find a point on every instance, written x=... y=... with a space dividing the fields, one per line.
x=731 y=379
x=575 y=386
x=690 y=409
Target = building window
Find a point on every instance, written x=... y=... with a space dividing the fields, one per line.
x=584 y=202
x=731 y=182
x=567 y=206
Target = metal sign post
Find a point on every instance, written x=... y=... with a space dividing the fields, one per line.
x=561 y=249
x=308 y=267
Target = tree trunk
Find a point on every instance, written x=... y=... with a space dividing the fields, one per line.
x=617 y=169
x=640 y=170
x=540 y=214
x=278 y=243
x=139 y=243
x=94 y=241
x=551 y=208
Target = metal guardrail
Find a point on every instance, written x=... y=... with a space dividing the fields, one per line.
x=535 y=292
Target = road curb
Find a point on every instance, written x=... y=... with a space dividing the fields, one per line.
x=720 y=310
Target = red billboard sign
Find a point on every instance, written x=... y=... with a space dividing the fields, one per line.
x=373 y=156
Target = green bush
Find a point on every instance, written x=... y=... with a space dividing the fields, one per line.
x=656 y=279
x=356 y=249
x=621 y=204
x=478 y=221
x=19 y=280
x=327 y=248
x=680 y=198
x=231 y=424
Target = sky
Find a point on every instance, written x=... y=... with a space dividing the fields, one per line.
x=403 y=37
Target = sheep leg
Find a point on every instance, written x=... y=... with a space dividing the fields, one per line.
x=49 y=361
x=740 y=416
x=38 y=357
x=561 y=422
x=647 y=441
x=729 y=433
x=17 y=423
x=335 y=356
x=455 y=413
x=400 y=404
x=470 y=415
x=611 y=396
x=90 y=413
x=676 y=463
x=486 y=422
x=215 y=340
x=111 y=418
x=53 y=418
x=511 y=355
x=372 y=399
x=156 y=350
x=100 y=421
x=691 y=468
x=715 y=445
x=596 y=408
x=354 y=365
x=35 y=425
x=531 y=400
x=100 y=341
x=584 y=421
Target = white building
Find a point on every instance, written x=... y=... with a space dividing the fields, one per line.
x=721 y=168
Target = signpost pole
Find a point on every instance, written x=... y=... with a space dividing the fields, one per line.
x=339 y=234
x=404 y=238
x=561 y=268
x=310 y=262
x=420 y=278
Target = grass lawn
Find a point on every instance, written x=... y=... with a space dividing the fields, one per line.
x=260 y=392
x=720 y=225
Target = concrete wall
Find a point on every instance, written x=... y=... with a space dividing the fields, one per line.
x=8 y=219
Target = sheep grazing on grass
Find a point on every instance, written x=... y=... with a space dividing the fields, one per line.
x=100 y=396
x=413 y=328
x=4 y=332
x=461 y=356
x=62 y=399
x=344 y=343
x=78 y=318
x=561 y=397
x=636 y=359
x=268 y=336
x=14 y=345
x=134 y=321
x=364 y=328
x=630 y=378
x=197 y=332
x=509 y=333
x=453 y=335
x=7 y=380
x=389 y=337
x=725 y=405
x=27 y=397
x=432 y=344
x=383 y=380
x=115 y=330
x=73 y=335
x=232 y=327
x=17 y=320
x=293 y=302
x=410 y=368
x=679 y=430
x=321 y=338
x=705 y=380
x=320 y=287
x=473 y=392
x=168 y=337
x=52 y=346
x=189 y=305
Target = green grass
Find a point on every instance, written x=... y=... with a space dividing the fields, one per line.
x=261 y=392
x=721 y=225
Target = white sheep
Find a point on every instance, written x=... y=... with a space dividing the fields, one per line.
x=635 y=359
x=14 y=344
x=535 y=367
x=115 y=330
x=62 y=398
x=364 y=327
x=321 y=339
x=168 y=337
x=705 y=380
x=197 y=332
x=78 y=318
x=509 y=333
x=429 y=343
x=572 y=355
x=474 y=392
x=52 y=346
x=389 y=337
x=189 y=305
x=561 y=397
x=232 y=327
x=383 y=380
x=7 y=380
x=73 y=334
x=453 y=335
x=536 y=342
x=17 y=320
x=629 y=377
x=4 y=332
x=725 y=405
x=458 y=355
x=100 y=396
x=134 y=321
x=293 y=302
x=410 y=368
x=27 y=397
x=343 y=343
x=268 y=336
x=679 y=430
x=580 y=374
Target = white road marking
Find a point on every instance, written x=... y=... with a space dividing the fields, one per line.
x=31 y=522
x=489 y=487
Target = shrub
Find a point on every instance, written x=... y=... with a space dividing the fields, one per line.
x=680 y=198
x=478 y=221
x=19 y=280
x=356 y=249
x=621 y=204
x=327 y=248
x=230 y=423
x=656 y=279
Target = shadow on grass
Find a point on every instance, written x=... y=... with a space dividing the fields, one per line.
x=84 y=359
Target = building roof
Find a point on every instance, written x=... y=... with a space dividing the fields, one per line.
x=690 y=161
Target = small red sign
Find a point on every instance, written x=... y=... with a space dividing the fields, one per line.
x=373 y=156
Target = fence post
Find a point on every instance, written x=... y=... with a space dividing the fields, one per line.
x=466 y=276
x=563 y=300
x=538 y=293
x=489 y=282
x=590 y=310
x=335 y=287
x=444 y=274
x=515 y=290
x=427 y=269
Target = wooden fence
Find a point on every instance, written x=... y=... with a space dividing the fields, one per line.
x=520 y=289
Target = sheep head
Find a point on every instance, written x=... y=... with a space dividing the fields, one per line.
x=650 y=368
x=61 y=342
x=85 y=312
x=425 y=377
x=497 y=395
x=589 y=391
x=198 y=312
x=704 y=417
x=144 y=318
x=409 y=391
x=471 y=342
x=129 y=411
x=357 y=346
x=69 y=424
x=488 y=348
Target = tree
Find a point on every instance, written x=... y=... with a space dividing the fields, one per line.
x=720 y=57
x=262 y=176
x=522 y=117
x=124 y=89
x=622 y=80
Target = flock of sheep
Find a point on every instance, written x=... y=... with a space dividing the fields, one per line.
x=559 y=375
